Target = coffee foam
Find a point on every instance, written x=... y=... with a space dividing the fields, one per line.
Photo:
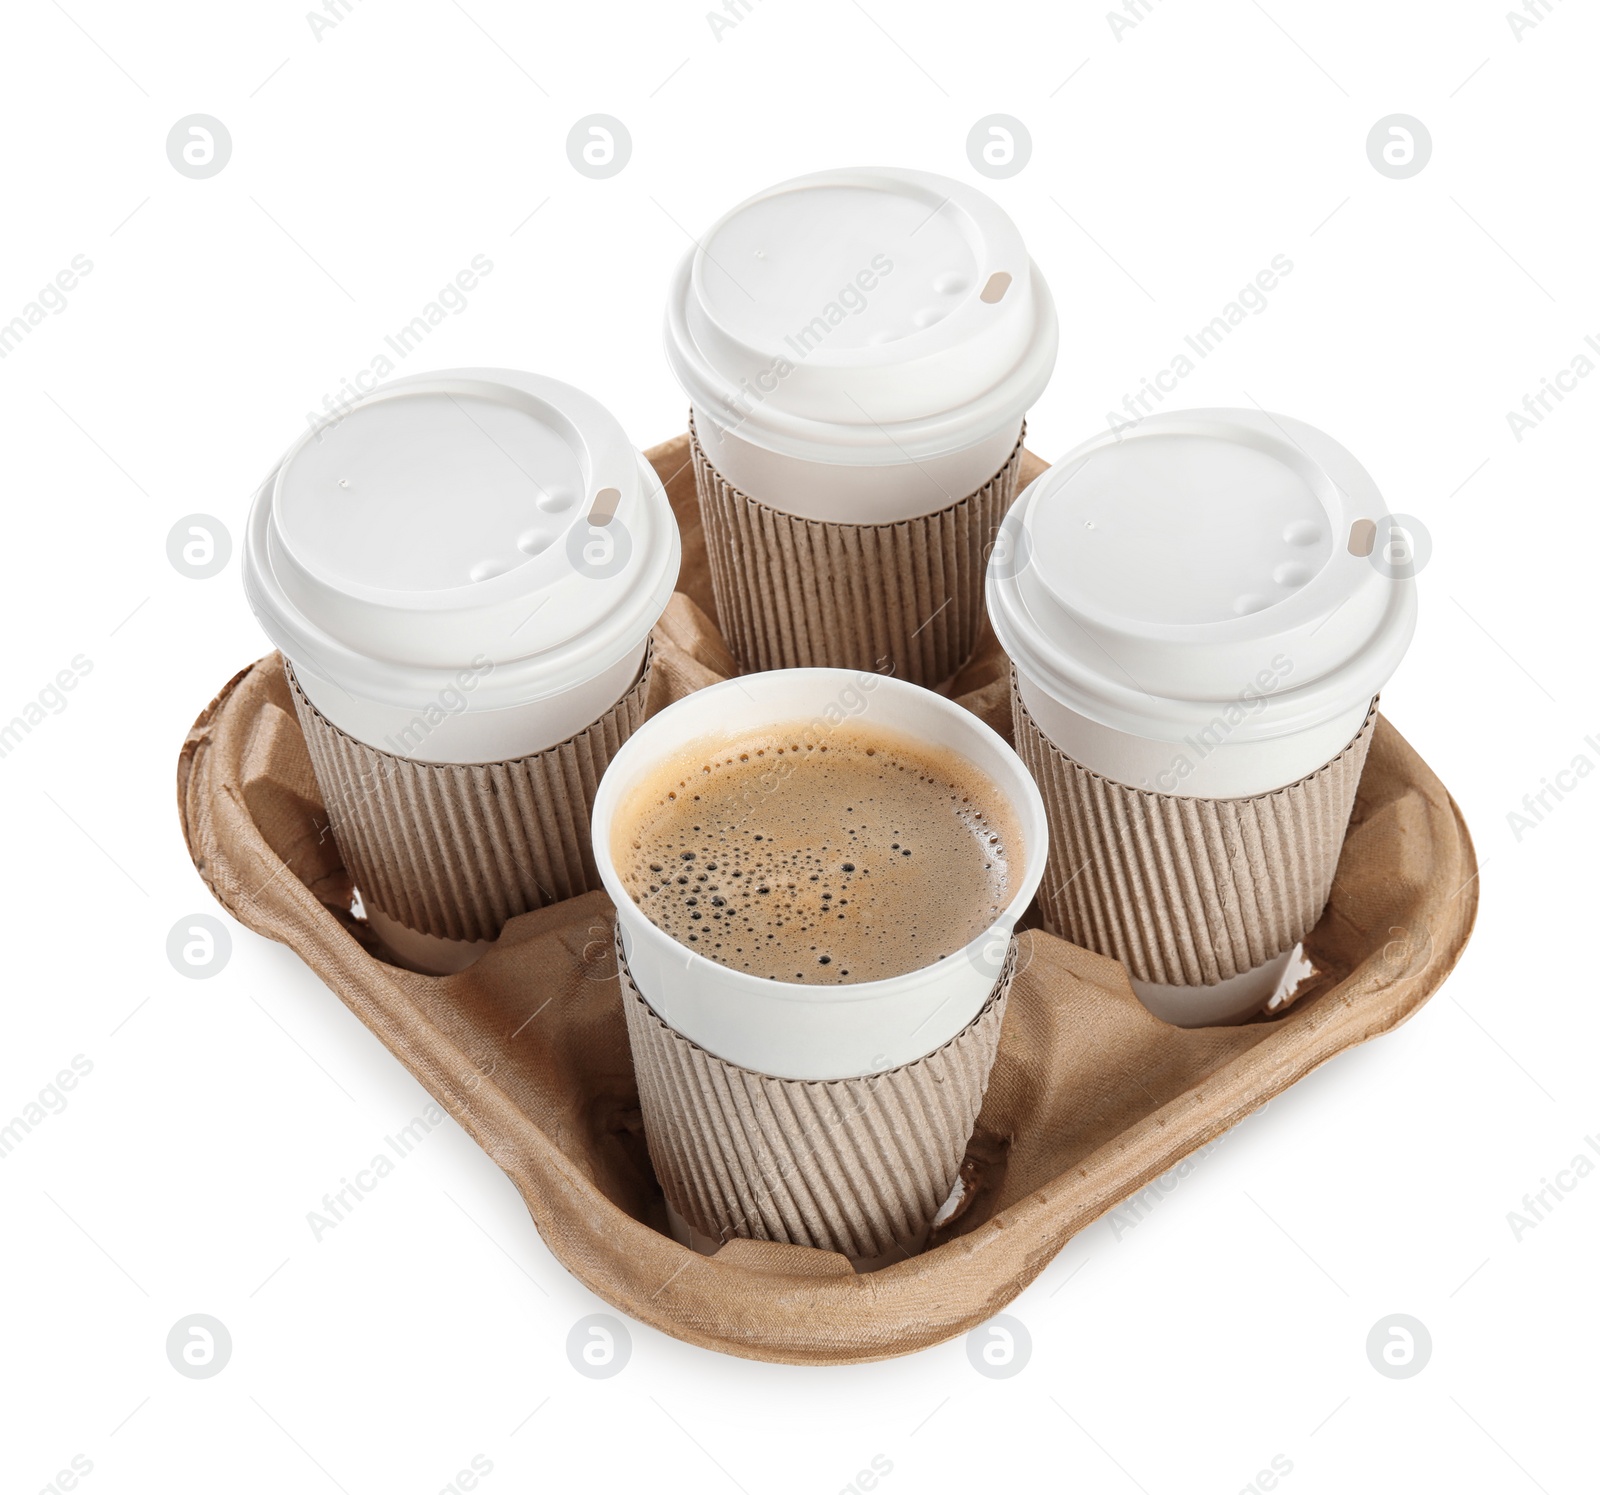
x=824 y=857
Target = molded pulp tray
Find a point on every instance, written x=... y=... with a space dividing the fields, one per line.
x=1091 y=1098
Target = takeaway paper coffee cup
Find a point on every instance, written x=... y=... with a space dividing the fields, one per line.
x=859 y=348
x=462 y=574
x=1198 y=633
x=828 y=1115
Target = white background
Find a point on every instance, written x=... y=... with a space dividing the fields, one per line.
x=1169 y=165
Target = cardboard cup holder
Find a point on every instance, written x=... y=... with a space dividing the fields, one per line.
x=1089 y=1100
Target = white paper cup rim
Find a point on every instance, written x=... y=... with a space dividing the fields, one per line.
x=655 y=738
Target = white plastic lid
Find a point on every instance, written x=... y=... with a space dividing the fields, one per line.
x=1203 y=558
x=862 y=316
x=455 y=516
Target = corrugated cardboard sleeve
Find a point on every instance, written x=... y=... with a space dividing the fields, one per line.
x=903 y=599
x=1186 y=891
x=856 y=1166
x=452 y=849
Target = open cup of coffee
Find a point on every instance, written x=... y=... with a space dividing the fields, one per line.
x=1200 y=615
x=817 y=874
x=859 y=348
x=462 y=573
